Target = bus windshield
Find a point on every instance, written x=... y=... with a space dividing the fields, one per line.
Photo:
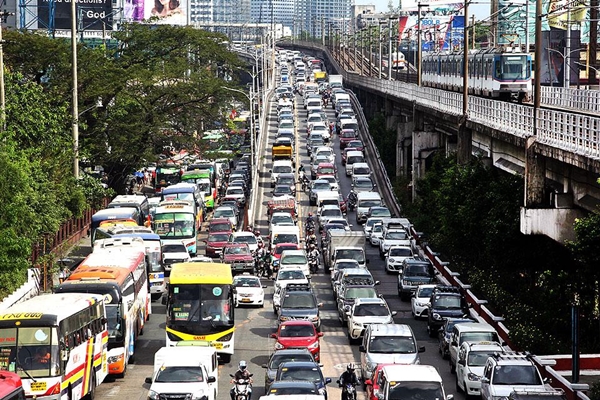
x=30 y=351
x=203 y=308
x=175 y=225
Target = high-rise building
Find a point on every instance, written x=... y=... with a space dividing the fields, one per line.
x=231 y=11
x=275 y=11
x=201 y=11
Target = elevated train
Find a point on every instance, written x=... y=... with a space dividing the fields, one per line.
x=503 y=73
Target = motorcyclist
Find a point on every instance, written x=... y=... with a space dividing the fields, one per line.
x=352 y=199
x=348 y=377
x=313 y=255
x=311 y=240
x=241 y=373
x=310 y=222
x=259 y=255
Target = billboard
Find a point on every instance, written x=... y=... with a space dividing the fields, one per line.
x=91 y=14
x=173 y=12
x=442 y=32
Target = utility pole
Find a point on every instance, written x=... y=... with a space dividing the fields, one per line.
x=419 y=44
x=75 y=95
x=3 y=15
x=390 y=26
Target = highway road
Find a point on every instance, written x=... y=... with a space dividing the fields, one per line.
x=254 y=325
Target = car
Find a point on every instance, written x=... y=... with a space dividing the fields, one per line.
x=313 y=118
x=351 y=274
x=215 y=242
x=278 y=357
x=392 y=237
x=445 y=334
x=365 y=312
x=355 y=145
x=294 y=258
x=420 y=300
x=318 y=185
x=201 y=259
x=281 y=218
x=228 y=212
x=332 y=181
x=283 y=190
x=326 y=169
x=173 y=253
x=363 y=184
x=318 y=160
x=360 y=170
x=373 y=386
x=314 y=140
x=329 y=212
x=414 y=272
x=299 y=387
x=287 y=179
x=368 y=226
x=472 y=357
x=445 y=302
x=246 y=237
x=340 y=265
x=220 y=225
x=325 y=150
x=376 y=234
x=507 y=372
x=284 y=277
x=239 y=256
x=346 y=136
x=387 y=344
x=299 y=302
x=303 y=370
x=286 y=124
x=349 y=293
x=248 y=290
x=298 y=334
x=395 y=256
x=323 y=130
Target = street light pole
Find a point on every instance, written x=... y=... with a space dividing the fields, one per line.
x=250 y=98
x=390 y=25
x=75 y=96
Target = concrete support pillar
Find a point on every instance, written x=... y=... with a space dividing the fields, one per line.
x=404 y=148
x=464 y=144
x=535 y=166
x=423 y=145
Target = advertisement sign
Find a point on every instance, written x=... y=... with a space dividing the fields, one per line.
x=173 y=12
x=91 y=14
x=443 y=32
x=553 y=63
x=413 y=5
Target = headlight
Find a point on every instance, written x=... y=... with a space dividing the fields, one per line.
x=391 y=260
x=436 y=316
x=473 y=377
x=322 y=391
x=314 y=345
x=114 y=359
x=371 y=367
x=152 y=395
x=284 y=318
x=279 y=346
x=405 y=282
x=421 y=305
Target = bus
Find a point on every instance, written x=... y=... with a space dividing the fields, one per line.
x=117 y=215
x=189 y=192
x=57 y=344
x=11 y=387
x=202 y=179
x=156 y=272
x=120 y=275
x=200 y=306
x=165 y=176
x=176 y=221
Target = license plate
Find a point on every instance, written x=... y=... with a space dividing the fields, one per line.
x=246 y=300
x=38 y=386
x=217 y=345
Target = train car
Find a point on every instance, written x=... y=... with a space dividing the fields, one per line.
x=398 y=60
x=501 y=73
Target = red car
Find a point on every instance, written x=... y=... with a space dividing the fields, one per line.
x=325 y=169
x=295 y=334
x=216 y=241
x=220 y=225
x=356 y=145
x=372 y=384
x=346 y=135
x=280 y=247
x=239 y=256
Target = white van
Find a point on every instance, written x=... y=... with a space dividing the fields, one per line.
x=313 y=104
x=343 y=96
x=327 y=198
x=285 y=234
x=411 y=382
x=364 y=201
x=470 y=332
x=351 y=158
x=360 y=169
x=280 y=167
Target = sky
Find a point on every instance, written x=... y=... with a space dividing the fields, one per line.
x=481 y=11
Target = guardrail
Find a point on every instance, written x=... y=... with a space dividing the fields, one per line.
x=478 y=305
x=576 y=99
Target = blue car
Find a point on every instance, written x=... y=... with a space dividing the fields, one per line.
x=303 y=371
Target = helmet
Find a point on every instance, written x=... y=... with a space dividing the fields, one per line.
x=312 y=245
x=350 y=367
x=242 y=365
x=310 y=214
x=260 y=244
x=257 y=232
x=313 y=237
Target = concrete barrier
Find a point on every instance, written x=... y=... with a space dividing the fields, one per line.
x=28 y=290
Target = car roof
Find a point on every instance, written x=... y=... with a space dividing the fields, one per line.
x=391 y=330
x=242 y=233
x=364 y=300
x=219 y=221
x=298 y=322
x=290 y=251
x=301 y=364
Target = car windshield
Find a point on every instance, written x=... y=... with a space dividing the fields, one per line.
x=479 y=337
x=179 y=374
x=282 y=169
x=392 y=344
x=237 y=250
x=516 y=375
x=235 y=190
x=346 y=264
x=300 y=374
x=220 y=227
x=277 y=390
x=363 y=183
x=223 y=213
x=446 y=302
x=478 y=358
x=297 y=331
x=396 y=235
x=286 y=124
x=278 y=219
x=293 y=259
x=352 y=254
x=372 y=221
x=425 y=292
x=299 y=300
x=285 y=181
x=361 y=171
x=371 y=310
x=326 y=170
x=321 y=186
x=250 y=239
x=370 y=203
x=218 y=238
x=246 y=282
x=174 y=248
x=402 y=390
x=277 y=359
x=400 y=252
x=331 y=213
x=285 y=238
x=416 y=270
x=289 y=275
x=358 y=293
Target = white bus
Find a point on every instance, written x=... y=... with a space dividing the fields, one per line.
x=175 y=222
x=57 y=344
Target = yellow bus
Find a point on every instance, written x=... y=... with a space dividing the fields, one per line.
x=200 y=306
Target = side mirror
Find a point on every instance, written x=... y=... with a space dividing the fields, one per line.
x=273 y=335
x=327 y=380
x=462 y=362
x=421 y=349
x=362 y=349
x=485 y=380
x=211 y=379
x=368 y=382
x=450 y=397
x=453 y=343
x=264 y=286
x=320 y=334
x=377 y=282
x=265 y=366
x=320 y=305
x=394 y=313
x=148 y=380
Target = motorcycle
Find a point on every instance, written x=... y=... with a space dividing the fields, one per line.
x=305 y=182
x=349 y=390
x=242 y=388
x=313 y=264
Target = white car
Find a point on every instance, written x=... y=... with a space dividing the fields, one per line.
x=248 y=291
x=393 y=237
x=324 y=150
x=368 y=226
x=281 y=218
x=395 y=256
x=174 y=252
x=226 y=212
x=420 y=301
x=376 y=234
x=328 y=212
x=293 y=275
x=201 y=259
x=365 y=312
x=294 y=259
x=332 y=180
x=472 y=357
x=323 y=130
x=245 y=237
